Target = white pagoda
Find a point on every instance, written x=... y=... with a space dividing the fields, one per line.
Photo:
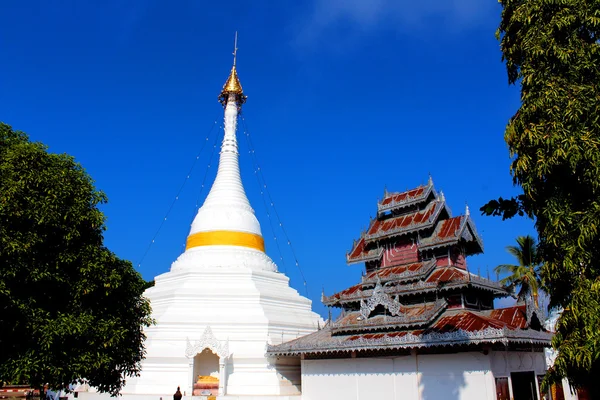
x=223 y=301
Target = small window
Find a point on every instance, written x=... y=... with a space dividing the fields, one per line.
x=471 y=300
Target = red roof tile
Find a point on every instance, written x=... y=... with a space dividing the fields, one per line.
x=449 y=227
x=347 y=292
x=403 y=221
x=398 y=197
x=448 y=274
x=466 y=321
x=358 y=249
x=514 y=316
x=385 y=272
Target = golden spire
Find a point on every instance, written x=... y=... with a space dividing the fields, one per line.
x=233 y=85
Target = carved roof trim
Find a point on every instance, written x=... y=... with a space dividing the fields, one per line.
x=356 y=322
x=455 y=327
x=207 y=341
x=397 y=200
x=323 y=342
x=466 y=231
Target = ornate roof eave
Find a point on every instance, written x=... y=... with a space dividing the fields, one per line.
x=399 y=322
x=470 y=223
x=496 y=289
x=333 y=344
x=409 y=202
x=369 y=257
x=405 y=276
x=449 y=243
x=466 y=232
x=444 y=244
x=405 y=231
x=419 y=288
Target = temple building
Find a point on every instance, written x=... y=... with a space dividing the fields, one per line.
x=420 y=325
x=223 y=300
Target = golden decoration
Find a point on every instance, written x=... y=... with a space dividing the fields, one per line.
x=232 y=86
x=226 y=238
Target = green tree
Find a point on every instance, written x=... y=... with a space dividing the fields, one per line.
x=525 y=274
x=69 y=308
x=551 y=50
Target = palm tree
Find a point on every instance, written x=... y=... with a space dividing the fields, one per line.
x=525 y=275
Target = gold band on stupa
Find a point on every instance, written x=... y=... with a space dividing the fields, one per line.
x=226 y=238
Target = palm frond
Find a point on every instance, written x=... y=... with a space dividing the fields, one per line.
x=524 y=276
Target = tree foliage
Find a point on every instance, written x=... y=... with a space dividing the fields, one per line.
x=69 y=308
x=551 y=49
x=525 y=274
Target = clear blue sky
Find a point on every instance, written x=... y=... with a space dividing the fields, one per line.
x=345 y=97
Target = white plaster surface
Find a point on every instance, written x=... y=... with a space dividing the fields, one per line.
x=244 y=308
x=458 y=376
x=226 y=207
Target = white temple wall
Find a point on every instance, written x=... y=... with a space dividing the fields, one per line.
x=329 y=379
x=461 y=376
x=406 y=380
x=374 y=379
x=505 y=362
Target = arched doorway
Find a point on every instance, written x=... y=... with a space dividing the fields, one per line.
x=207 y=356
x=206 y=373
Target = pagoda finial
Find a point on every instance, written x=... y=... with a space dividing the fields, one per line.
x=233 y=86
x=467 y=211
x=235 y=49
x=442 y=197
x=430 y=180
x=385 y=192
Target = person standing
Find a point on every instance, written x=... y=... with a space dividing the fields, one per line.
x=177 y=395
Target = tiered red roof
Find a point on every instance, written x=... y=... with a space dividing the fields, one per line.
x=426 y=221
x=417 y=290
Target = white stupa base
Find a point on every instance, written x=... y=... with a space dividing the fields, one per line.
x=218 y=321
x=223 y=257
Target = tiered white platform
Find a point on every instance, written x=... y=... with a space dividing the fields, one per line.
x=244 y=310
